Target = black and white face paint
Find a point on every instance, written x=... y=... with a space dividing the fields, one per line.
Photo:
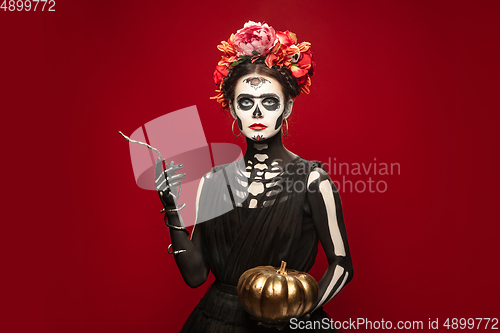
x=258 y=106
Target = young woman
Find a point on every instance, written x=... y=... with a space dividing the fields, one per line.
x=269 y=206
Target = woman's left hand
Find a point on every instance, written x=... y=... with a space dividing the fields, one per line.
x=167 y=183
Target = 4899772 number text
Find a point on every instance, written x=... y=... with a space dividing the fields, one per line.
x=28 y=5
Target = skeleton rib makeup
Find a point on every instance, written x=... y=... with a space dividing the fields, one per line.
x=258 y=170
x=259 y=106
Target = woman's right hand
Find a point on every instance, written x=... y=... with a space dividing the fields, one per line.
x=168 y=183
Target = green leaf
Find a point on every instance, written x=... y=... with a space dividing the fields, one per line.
x=255 y=52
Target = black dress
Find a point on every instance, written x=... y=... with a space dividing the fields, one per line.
x=243 y=238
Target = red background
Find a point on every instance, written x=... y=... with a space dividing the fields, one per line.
x=408 y=82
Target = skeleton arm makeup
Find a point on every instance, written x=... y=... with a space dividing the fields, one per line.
x=191 y=263
x=326 y=209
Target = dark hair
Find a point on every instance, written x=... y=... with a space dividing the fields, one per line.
x=284 y=76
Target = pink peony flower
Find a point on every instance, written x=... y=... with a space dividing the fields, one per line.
x=254 y=39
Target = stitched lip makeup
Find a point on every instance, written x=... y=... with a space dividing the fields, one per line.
x=258 y=127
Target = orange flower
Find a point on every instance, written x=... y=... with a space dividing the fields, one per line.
x=228 y=47
x=220 y=97
x=304 y=46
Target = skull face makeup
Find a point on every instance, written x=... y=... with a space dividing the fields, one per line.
x=259 y=106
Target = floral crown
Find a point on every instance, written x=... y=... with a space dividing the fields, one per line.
x=256 y=40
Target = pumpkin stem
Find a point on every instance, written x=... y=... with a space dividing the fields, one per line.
x=282 y=269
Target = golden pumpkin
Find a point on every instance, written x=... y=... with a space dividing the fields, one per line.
x=273 y=295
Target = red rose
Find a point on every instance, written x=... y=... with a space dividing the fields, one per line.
x=306 y=59
x=287 y=38
x=220 y=73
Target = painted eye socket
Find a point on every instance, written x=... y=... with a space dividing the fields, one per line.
x=245 y=104
x=271 y=103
